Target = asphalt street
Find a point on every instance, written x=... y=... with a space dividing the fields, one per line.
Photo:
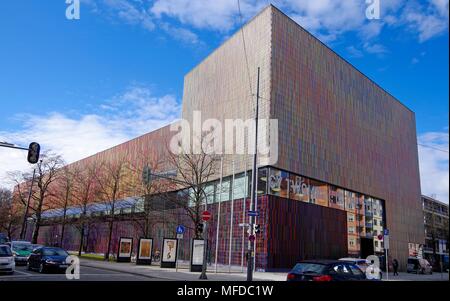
x=86 y=274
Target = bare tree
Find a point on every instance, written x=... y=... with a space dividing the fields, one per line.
x=47 y=171
x=85 y=192
x=9 y=214
x=193 y=173
x=150 y=193
x=113 y=182
x=62 y=194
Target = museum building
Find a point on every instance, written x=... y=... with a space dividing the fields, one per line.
x=346 y=165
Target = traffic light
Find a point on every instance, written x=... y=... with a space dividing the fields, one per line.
x=33 y=152
x=256 y=228
x=200 y=228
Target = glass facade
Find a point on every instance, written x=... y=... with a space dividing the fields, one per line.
x=365 y=214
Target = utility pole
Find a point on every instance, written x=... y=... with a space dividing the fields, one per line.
x=22 y=231
x=253 y=192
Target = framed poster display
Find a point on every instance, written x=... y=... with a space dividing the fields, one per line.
x=198 y=247
x=125 y=249
x=144 y=253
x=169 y=253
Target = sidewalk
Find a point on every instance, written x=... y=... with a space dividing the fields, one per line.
x=417 y=277
x=154 y=271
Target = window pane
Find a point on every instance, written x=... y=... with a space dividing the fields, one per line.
x=298 y=188
x=278 y=183
x=240 y=187
x=319 y=193
x=262 y=181
x=336 y=197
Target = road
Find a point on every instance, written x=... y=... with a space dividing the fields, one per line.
x=86 y=274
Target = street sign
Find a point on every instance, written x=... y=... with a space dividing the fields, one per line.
x=386 y=231
x=180 y=229
x=206 y=215
x=243 y=225
x=386 y=242
x=180 y=235
x=253 y=213
x=252 y=237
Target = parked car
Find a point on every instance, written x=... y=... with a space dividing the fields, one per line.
x=419 y=266
x=21 y=250
x=363 y=264
x=325 y=270
x=46 y=259
x=7 y=263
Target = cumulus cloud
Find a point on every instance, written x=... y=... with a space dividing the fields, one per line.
x=326 y=19
x=434 y=164
x=123 y=117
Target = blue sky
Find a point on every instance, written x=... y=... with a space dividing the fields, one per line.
x=117 y=72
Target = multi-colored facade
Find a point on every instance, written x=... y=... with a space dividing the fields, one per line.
x=346 y=166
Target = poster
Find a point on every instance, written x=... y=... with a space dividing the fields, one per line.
x=298 y=188
x=278 y=183
x=125 y=249
x=197 y=251
x=169 y=250
x=145 y=248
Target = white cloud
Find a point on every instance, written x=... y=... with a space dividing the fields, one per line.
x=326 y=19
x=427 y=21
x=123 y=117
x=434 y=164
x=354 y=52
x=131 y=12
x=377 y=49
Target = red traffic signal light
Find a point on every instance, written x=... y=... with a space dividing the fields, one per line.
x=33 y=152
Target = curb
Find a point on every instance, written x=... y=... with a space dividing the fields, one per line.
x=125 y=272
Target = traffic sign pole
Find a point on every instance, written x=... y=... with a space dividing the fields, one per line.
x=206 y=215
x=205 y=243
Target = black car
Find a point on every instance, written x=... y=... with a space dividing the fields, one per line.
x=325 y=270
x=46 y=259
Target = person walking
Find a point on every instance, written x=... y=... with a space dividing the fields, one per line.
x=395 y=266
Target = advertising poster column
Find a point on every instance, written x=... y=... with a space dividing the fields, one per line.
x=144 y=254
x=125 y=249
x=198 y=247
x=169 y=253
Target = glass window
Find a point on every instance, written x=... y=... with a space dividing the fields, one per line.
x=336 y=197
x=318 y=193
x=278 y=183
x=351 y=201
x=225 y=194
x=209 y=191
x=240 y=187
x=298 y=188
x=262 y=181
x=355 y=270
x=139 y=206
x=341 y=269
